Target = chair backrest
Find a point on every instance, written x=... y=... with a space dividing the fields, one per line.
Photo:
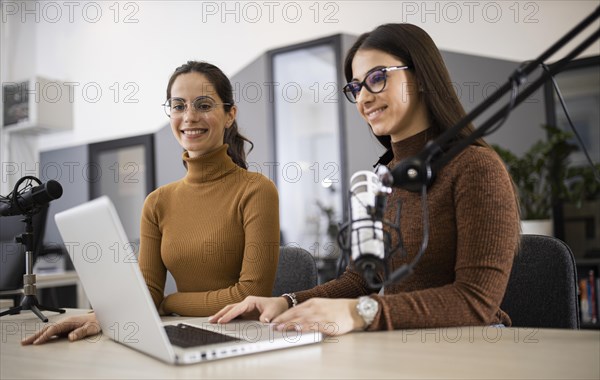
x=542 y=289
x=296 y=271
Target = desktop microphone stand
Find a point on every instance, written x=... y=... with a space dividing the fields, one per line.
x=30 y=301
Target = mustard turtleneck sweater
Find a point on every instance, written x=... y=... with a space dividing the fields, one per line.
x=473 y=237
x=217 y=232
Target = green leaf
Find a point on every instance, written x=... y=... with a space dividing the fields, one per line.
x=544 y=175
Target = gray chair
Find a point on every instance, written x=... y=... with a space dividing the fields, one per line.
x=296 y=271
x=542 y=289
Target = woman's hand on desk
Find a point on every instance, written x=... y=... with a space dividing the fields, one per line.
x=75 y=327
x=267 y=307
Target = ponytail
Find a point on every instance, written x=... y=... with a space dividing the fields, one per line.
x=236 y=141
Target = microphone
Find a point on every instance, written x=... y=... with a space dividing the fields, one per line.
x=367 y=203
x=38 y=196
x=365 y=245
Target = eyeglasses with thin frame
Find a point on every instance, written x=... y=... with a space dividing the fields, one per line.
x=176 y=107
x=375 y=82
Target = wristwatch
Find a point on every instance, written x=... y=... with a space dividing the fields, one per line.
x=291 y=299
x=367 y=308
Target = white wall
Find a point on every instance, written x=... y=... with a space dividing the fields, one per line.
x=130 y=54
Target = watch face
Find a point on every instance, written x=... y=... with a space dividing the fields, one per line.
x=367 y=309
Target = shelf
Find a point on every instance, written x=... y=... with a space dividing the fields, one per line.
x=587 y=262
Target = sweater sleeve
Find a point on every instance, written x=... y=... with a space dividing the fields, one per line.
x=151 y=264
x=349 y=285
x=259 y=211
x=487 y=224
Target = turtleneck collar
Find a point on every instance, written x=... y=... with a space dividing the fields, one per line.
x=412 y=145
x=208 y=167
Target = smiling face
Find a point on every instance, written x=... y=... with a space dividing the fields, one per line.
x=199 y=132
x=397 y=111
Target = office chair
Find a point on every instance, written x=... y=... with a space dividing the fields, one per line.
x=296 y=271
x=542 y=288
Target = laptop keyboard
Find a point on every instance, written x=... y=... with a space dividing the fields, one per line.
x=189 y=336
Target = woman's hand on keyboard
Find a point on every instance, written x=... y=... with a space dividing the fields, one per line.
x=266 y=308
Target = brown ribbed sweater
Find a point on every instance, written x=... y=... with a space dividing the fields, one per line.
x=474 y=234
x=217 y=232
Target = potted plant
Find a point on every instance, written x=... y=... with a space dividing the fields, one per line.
x=544 y=178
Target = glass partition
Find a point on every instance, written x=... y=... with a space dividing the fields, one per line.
x=579 y=83
x=309 y=170
x=123 y=170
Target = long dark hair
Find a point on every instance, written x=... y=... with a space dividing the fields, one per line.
x=414 y=47
x=222 y=85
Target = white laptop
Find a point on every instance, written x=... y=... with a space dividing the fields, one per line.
x=114 y=284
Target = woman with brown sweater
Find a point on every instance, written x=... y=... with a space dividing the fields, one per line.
x=217 y=229
x=397 y=78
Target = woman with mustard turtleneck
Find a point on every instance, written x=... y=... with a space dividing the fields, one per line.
x=217 y=229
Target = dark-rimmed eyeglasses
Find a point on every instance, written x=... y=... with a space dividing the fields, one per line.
x=176 y=107
x=374 y=82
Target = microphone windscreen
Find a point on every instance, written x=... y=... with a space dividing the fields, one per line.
x=54 y=189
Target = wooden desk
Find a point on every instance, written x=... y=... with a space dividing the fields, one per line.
x=470 y=352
